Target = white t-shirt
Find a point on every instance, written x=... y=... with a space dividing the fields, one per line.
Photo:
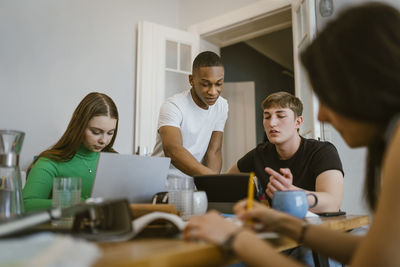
x=196 y=124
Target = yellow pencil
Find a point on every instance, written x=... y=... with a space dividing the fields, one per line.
x=250 y=195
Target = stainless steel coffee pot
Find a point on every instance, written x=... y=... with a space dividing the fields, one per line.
x=11 y=200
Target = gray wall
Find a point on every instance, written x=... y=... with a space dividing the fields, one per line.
x=244 y=63
x=52 y=53
x=339 y=5
x=195 y=11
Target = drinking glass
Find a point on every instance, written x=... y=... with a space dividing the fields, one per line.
x=180 y=194
x=66 y=193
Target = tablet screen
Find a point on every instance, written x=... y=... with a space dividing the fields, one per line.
x=223 y=187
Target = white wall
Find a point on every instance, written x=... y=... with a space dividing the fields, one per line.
x=195 y=11
x=52 y=53
x=353 y=161
x=339 y=5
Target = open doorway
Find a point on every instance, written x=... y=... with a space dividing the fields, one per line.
x=257 y=50
x=245 y=26
x=268 y=62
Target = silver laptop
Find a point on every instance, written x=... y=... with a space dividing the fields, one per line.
x=136 y=178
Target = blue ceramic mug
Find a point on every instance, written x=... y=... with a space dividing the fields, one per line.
x=293 y=202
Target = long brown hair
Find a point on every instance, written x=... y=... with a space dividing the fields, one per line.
x=354 y=68
x=93 y=104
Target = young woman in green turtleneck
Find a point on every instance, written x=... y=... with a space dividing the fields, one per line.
x=93 y=128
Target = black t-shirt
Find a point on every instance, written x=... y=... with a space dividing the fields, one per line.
x=311 y=159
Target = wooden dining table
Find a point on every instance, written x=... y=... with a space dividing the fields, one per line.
x=166 y=252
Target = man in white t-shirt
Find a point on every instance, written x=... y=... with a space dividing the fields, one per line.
x=191 y=123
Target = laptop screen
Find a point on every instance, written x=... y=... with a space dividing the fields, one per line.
x=136 y=178
x=223 y=187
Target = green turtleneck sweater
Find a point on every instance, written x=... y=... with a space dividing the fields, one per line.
x=39 y=184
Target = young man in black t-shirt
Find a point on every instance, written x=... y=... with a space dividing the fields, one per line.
x=291 y=162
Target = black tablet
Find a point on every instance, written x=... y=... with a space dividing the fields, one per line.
x=223 y=187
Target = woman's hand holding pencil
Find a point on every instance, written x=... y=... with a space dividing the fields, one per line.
x=250 y=194
x=262 y=218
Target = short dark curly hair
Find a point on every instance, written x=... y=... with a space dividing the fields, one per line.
x=206 y=59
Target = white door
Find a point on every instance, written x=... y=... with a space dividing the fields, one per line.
x=304 y=29
x=164 y=59
x=240 y=128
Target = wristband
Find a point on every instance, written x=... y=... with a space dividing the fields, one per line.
x=304 y=227
x=227 y=245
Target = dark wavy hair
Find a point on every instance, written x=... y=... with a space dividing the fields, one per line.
x=93 y=104
x=354 y=69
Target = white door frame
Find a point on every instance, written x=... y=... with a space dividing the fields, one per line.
x=265 y=8
x=304 y=31
x=239 y=16
x=150 y=78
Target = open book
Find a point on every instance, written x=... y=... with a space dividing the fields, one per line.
x=140 y=223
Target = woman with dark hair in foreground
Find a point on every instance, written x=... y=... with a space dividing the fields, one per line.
x=354 y=69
